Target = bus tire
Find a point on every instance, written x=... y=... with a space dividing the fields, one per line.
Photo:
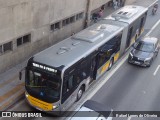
x=80 y=93
x=111 y=64
x=136 y=38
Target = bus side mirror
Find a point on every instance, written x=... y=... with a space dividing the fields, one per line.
x=20 y=75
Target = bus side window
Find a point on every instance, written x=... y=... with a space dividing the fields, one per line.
x=84 y=71
x=70 y=82
x=67 y=84
x=118 y=42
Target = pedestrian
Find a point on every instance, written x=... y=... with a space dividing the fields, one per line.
x=119 y=3
x=154 y=10
x=115 y=4
x=103 y=7
x=95 y=17
x=73 y=34
x=100 y=13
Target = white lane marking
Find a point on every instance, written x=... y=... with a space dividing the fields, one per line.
x=155 y=72
x=129 y=118
x=155 y=25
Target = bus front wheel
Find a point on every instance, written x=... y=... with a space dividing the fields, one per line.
x=80 y=93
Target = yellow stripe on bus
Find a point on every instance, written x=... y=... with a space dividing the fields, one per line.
x=105 y=67
x=40 y=104
x=116 y=56
x=133 y=40
x=142 y=30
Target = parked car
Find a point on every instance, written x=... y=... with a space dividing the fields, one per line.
x=92 y=110
x=144 y=51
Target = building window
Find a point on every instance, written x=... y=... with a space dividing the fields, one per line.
x=67 y=21
x=64 y=23
x=24 y=39
x=19 y=41
x=7 y=47
x=55 y=26
x=72 y=19
x=79 y=16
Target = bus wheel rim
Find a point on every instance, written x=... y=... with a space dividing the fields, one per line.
x=110 y=65
x=79 y=93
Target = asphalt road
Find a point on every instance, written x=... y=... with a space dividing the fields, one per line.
x=131 y=88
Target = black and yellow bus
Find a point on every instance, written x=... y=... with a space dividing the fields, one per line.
x=58 y=76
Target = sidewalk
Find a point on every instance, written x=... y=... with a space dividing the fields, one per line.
x=12 y=89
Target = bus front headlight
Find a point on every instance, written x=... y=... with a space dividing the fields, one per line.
x=55 y=106
x=27 y=95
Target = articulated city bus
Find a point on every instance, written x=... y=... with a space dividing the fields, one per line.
x=58 y=76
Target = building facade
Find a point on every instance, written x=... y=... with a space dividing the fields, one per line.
x=29 y=26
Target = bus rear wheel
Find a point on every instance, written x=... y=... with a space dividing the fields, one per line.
x=80 y=93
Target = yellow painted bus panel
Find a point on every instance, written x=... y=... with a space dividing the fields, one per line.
x=142 y=30
x=116 y=56
x=133 y=40
x=105 y=67
x=40 y=104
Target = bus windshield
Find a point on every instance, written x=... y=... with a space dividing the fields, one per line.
x=43 y=85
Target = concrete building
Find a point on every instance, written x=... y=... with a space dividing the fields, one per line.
x=29 y=26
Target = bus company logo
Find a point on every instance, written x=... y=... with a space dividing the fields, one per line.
x=6 y=114
x=41 y=94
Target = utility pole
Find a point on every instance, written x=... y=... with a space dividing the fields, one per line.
x=88 y=13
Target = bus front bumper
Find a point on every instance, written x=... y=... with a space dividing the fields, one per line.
x=43 y=106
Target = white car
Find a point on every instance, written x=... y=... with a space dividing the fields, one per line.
x=92 y=110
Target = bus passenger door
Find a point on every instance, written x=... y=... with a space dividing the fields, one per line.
x=68 y=89
x=141 y=26
x=93 y=70
x=128 y=42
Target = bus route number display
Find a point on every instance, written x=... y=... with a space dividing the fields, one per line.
x=44 y=67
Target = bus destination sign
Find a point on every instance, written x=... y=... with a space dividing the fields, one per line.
x=44 y=67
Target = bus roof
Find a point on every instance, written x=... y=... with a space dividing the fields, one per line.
x=72 y=49
x=127 y=14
